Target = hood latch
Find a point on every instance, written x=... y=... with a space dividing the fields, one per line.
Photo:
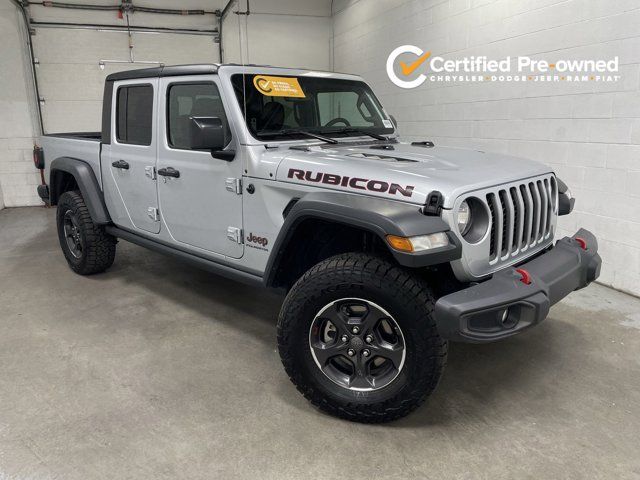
x=434 y=204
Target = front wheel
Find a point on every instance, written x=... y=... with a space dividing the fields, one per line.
x=357 y=337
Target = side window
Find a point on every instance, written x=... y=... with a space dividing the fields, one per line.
x=186 y=100
x=134 y=114
x=343 y=105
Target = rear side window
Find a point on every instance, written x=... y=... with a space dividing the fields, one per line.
x=134 y=112
x=187 y=100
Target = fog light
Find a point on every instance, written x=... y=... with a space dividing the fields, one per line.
x=508 y=318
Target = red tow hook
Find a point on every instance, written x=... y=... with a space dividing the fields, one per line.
x=582 y=242
x=524 y=276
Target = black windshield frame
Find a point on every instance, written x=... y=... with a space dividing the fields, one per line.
x=381 y=123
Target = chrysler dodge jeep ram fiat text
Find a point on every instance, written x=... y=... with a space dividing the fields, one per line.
x=296 y=180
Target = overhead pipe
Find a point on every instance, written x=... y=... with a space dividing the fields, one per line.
x=123 y=28
x=125 y=5
x=74 y=5
x=173 y=11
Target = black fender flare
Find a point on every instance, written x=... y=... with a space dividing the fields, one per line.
x=377 y=215
x=87 y=182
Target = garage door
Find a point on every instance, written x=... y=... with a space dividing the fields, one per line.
x=69 y=69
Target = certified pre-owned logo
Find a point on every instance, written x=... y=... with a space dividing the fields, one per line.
x=404 y=69
x=262 y=84
x=407 y=69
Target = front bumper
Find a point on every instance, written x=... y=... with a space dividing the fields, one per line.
x=505 y=305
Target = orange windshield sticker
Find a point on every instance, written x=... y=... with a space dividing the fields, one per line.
x=278 y=86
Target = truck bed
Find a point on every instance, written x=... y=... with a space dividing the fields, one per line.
x=77 y=135
x=84 y=146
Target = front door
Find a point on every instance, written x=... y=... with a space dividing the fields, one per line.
x=197 y=192
x=128 y=171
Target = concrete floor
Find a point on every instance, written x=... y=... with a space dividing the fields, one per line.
x=158 y=370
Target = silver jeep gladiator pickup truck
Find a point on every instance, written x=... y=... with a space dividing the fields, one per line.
x=297 y=180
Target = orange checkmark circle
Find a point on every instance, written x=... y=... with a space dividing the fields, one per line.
x=409 y=69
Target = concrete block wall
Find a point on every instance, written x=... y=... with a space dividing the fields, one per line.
x=18 y=178
x=589 y=133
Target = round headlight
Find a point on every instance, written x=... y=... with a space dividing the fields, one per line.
x=464 y=218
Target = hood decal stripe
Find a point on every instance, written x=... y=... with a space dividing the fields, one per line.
x=378 y=186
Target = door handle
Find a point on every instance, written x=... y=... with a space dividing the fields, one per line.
x=169 y=172
x=121 y=164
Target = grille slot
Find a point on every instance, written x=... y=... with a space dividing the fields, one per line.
x=521 y=217
x=492 y=212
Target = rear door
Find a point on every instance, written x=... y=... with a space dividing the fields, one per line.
x=129 y=172
x=202 y=207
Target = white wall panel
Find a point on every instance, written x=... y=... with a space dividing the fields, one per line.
x=284 y=33
x=306 y=43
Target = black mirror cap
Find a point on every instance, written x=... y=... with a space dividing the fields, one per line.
x=394 y=121
x=206 y=133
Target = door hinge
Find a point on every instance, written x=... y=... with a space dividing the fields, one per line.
x=153 y=213
x=150 y=172
x=234 y=185
x=234 y=234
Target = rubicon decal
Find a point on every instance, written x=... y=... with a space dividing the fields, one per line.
x=379 y=186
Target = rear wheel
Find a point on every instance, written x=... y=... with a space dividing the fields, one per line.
x=86 y=246
x=357 y=337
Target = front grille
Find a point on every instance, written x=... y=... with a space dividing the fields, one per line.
x=521 y=217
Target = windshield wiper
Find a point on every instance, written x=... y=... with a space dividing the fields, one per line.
x=357 y=130
x=293 y=131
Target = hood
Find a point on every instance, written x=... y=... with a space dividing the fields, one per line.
x=402 y=171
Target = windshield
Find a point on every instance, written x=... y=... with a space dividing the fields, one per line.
x=286 y=106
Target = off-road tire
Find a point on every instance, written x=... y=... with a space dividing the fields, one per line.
x=406 y=297
x=99 y=248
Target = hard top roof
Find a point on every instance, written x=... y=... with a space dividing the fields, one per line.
x=178 y=70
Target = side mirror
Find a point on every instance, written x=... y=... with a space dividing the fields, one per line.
x=206 y=133
x=394 y=121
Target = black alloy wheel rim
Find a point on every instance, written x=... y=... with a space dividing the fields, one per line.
x=72 y=234
x=357 y=344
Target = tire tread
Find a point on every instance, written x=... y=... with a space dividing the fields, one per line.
x=367 y=269
x=99 y=245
